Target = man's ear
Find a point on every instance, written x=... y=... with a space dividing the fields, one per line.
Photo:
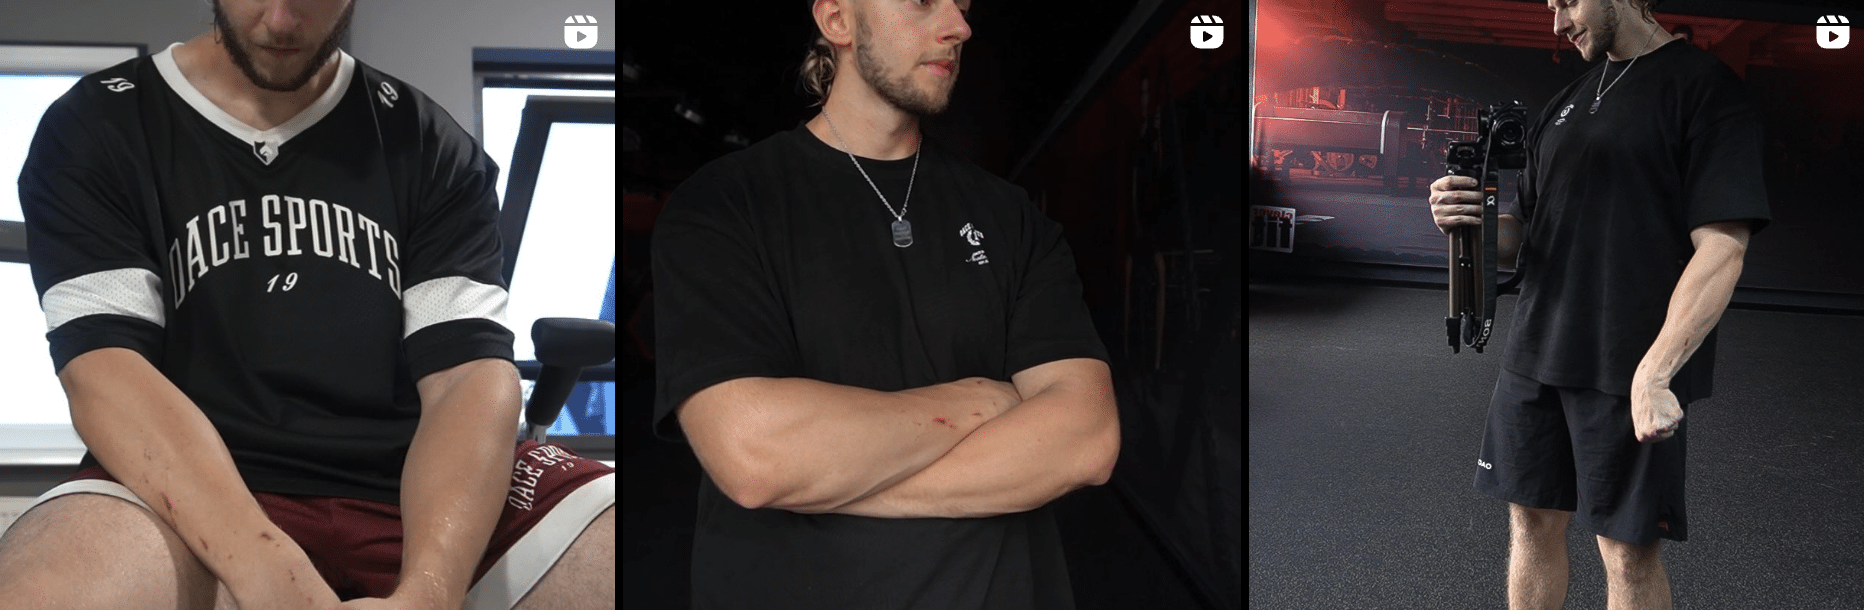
x=835 y=19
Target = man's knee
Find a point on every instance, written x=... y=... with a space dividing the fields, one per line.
x=1538 y=520
x=92 y=551
x=1632 y=561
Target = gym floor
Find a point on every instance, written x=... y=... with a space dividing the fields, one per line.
x=1364 y=427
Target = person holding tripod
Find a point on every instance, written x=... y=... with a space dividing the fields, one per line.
x=1642 y=188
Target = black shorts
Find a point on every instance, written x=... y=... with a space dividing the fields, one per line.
x=1575 y=450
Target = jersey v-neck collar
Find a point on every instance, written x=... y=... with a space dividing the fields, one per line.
x=265 y=143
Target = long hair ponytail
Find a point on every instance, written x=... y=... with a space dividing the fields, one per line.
x=818 y=70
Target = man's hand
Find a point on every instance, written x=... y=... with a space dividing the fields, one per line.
x=1455 y=202
x=300 y=592
x=1655 y=412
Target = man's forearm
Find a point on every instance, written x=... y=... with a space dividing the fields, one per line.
x=817 y=444
x=454 y=482
x=1702 y=294
x=155 y=441
x=1020 y=461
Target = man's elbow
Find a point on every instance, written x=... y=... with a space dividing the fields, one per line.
x=793 y=500
x=736 y=478
x=1102 y=460
x=742 y=496
x=760 y=487
x=752 y=495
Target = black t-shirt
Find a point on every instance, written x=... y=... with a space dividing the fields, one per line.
x=778 y=261
x=294 y=283
x=1609 y=200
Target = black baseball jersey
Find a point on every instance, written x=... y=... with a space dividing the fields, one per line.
x=1609 y=199
x=294 y=282
x=779 y=261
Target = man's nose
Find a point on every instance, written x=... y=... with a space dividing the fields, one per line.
x=282 y=18
x=957 y=28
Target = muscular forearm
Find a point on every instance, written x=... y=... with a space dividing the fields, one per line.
x=1701 y=295
x=454 y=482
x=156 y=442
x=823 y=444
x=1030 y=456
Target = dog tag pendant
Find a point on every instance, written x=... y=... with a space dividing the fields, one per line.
x=1595 y=104
x=902 y=233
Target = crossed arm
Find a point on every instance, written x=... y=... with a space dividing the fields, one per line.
x=1065 y=435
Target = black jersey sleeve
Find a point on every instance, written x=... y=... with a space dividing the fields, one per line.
x=718 y=313
x=94 y=262
x=454 y=306
x=1049 y=320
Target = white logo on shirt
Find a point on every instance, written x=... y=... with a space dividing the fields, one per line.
x=975 y=238
x=1563 y=111
x=972 y=235
x=1483 y=464
x=293 y=226
x=119 y=84
x=265 y=151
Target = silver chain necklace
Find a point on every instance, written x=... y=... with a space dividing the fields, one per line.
x=902 y=230
x=1599 y=94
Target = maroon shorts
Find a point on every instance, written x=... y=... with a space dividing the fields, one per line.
x=356 y=544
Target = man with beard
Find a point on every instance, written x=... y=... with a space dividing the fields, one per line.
x=272 y=279
x=1642 y=188
x=885 y=378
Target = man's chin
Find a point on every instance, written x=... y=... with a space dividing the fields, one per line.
x=926 y=112
x=937 y=105
x=271 y=85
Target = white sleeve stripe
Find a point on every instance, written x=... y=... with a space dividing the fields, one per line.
x=451 y=298
x=136 y=293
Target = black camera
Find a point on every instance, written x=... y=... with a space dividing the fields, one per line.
x=1501 y=142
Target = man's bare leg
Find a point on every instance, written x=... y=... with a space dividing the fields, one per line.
x=1537 y=561
x=1634 y=575
x=88 y=551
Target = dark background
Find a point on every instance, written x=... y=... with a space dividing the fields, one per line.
x=1440 y=61
x=1121 y=131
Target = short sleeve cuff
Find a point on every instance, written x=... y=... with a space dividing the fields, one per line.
x=448 y=344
